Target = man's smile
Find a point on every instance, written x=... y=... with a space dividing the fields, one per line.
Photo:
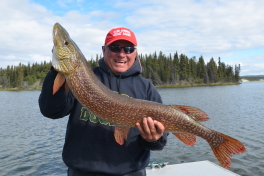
x=121 y=62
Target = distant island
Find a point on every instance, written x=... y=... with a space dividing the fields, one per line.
x=249 y=78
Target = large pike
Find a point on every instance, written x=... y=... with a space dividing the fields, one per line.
x=125 y=112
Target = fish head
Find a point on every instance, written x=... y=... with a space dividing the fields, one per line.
x=65 y=53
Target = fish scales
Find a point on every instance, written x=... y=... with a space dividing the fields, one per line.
x=125 y=112
x=111 y=108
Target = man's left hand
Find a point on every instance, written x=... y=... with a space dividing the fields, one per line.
x=150 y=130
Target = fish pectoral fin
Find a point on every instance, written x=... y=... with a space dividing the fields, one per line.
x=66 y=87
x=121 y=134
x=198 y=114
x=188 y=139
x=58 y=83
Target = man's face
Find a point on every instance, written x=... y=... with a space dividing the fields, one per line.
x=121 y=61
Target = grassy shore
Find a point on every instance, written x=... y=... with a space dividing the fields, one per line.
x=17 y=89
x=160 y=86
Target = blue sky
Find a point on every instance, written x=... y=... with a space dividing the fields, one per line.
x=230 y=29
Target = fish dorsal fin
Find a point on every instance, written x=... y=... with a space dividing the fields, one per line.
x=58 y=82
x=196 y=113
x=121 y=134
x=188 y=139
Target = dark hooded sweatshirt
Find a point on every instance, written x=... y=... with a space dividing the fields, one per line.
x=89 y=142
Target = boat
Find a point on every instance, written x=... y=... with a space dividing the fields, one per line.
x=200 y=168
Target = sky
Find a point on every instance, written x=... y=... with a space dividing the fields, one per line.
x=230 y=29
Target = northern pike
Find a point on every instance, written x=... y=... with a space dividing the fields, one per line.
x=125 y=112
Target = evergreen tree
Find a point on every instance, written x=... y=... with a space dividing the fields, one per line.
x=187 y=70
x=237 y=71
x=212 y=71
x=193 y=67
x=176 y=67
x=183 y=68
x=201 y=69
x=19 y=76
x=220 y=71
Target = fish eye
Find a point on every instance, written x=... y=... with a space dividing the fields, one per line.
x=66 y=43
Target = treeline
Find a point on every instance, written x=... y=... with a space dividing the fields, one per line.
x=174 y=69
x=16 y=76
x=160 y=69
x=179 y=69
x=24 y=76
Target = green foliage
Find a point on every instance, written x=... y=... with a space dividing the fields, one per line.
x=14 y=76
x=163 y=70
x=212 y=71
x=31 y=79
x=159 y=69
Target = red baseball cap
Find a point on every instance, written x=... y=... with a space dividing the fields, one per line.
x=120 y=34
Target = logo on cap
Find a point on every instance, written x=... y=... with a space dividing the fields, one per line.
x=121 y=32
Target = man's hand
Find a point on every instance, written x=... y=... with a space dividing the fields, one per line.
x=150 y=130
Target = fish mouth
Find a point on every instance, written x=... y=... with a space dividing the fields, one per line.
x=55 y=59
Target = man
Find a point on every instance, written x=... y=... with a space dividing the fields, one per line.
x=90 y=147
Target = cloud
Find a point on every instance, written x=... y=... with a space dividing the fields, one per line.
x=208 y=25
x=210 y=28
x=26 y=32
x=254 y=65
x=23 y=32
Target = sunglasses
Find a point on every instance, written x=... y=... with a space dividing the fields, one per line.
x=117 y=49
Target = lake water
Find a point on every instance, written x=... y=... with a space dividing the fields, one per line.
x=31 y=144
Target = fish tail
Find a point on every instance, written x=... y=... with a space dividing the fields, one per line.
x=224 y=150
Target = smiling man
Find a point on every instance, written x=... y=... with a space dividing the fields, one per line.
x=116 y=58
x=90 y=147
x=120 y=50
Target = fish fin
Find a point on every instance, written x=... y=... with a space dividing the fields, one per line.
x=66 y=87
x=121 y=134
x=228 y=147
x=58 y=82
x=196 y=113
x=188 y=139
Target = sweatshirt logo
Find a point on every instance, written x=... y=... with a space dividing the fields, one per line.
x=87 y=115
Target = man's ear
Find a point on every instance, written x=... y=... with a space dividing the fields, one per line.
x=103 y=49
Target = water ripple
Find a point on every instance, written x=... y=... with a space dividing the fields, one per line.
x=32 y=144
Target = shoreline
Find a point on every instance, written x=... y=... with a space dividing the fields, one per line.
x=158 y=86
x=196 y=85
x=246 y=80
x=16 y=89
